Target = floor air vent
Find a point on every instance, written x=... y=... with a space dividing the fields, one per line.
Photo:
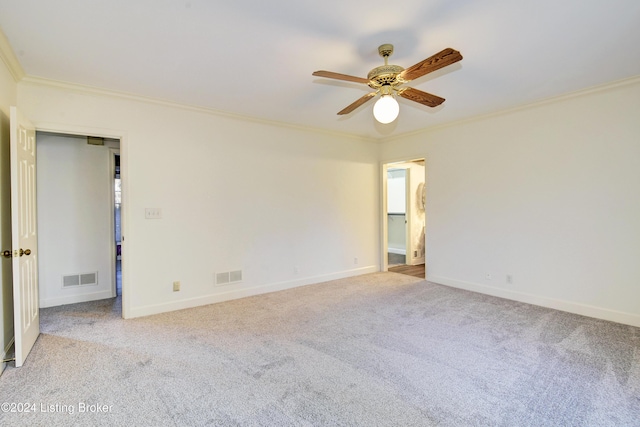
x=83 y=279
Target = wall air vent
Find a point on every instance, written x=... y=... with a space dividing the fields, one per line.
x=82 y=279
x=89 y=279
x=94 y=140
x=68 y=281
x=228 y=277
x=222 y=278
x=235 y=276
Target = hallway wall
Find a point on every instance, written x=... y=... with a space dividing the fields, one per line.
x=75 y=233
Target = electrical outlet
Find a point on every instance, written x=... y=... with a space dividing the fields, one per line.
x=355 y=260
x=487 y=276
x=509 y=279
x=176 y=286
x=296 y=270
x=152 y=213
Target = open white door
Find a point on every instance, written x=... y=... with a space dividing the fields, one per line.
x=24 y=240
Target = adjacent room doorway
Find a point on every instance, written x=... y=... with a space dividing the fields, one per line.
x=79 y=199
x=404 y=217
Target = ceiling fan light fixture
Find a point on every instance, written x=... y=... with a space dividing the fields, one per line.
x=387 y=79
x=386 y=109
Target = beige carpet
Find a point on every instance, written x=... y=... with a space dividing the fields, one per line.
x=377 y=350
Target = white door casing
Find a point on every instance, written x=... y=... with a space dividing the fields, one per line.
x=408 y=227
x=24 y=240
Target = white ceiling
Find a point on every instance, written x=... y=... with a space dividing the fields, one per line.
x=255 y=58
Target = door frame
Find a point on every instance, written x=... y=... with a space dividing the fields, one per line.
x=113 y=152
x=124 y=177
x=384 y=229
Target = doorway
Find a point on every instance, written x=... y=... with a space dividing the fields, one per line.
x=404 y=217
x=76 y=195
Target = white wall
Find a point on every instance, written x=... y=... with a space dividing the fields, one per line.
x=396 y=191
x=288 y=206
x=74 y=188
x=397 y=234
x=547 y=194
x=8 y=97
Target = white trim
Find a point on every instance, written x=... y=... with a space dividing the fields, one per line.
x=112 y=216
x=73 y=299
x=240 y=292
x=9 y=58
x=397 y=251
x=80 y=130
x=384 y=215
x=4 y=354
x=562 y=305
x=552 y=100
x=408 y=216
x=92 y=90
x=20 y=76
x=417 y=261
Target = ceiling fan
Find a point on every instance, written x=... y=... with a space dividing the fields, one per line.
x=387 y=78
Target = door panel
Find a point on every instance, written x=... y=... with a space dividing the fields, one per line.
x=24 y=239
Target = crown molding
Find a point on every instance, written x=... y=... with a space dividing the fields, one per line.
x=19 y=75
x=96 y=91
x=552 y=100
x=9 y=58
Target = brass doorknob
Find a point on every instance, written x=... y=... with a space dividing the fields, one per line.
x=6 y=254
x=27 y=252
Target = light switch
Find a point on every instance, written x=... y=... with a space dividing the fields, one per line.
x=152 y=213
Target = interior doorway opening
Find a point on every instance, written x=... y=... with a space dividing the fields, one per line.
x=404 y=217
x=79 y=223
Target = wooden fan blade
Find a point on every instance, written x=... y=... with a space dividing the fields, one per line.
x=338 y=76
x=441 y=59
x=421 y=97
x=356 y=104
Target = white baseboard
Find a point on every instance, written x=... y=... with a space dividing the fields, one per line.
x=226 y=294
x=4 y=355
x=568 y=306
x=416 y=261
x=73 y=299
x=397 y=251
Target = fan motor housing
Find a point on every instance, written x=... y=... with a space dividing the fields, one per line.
x=384 y=75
